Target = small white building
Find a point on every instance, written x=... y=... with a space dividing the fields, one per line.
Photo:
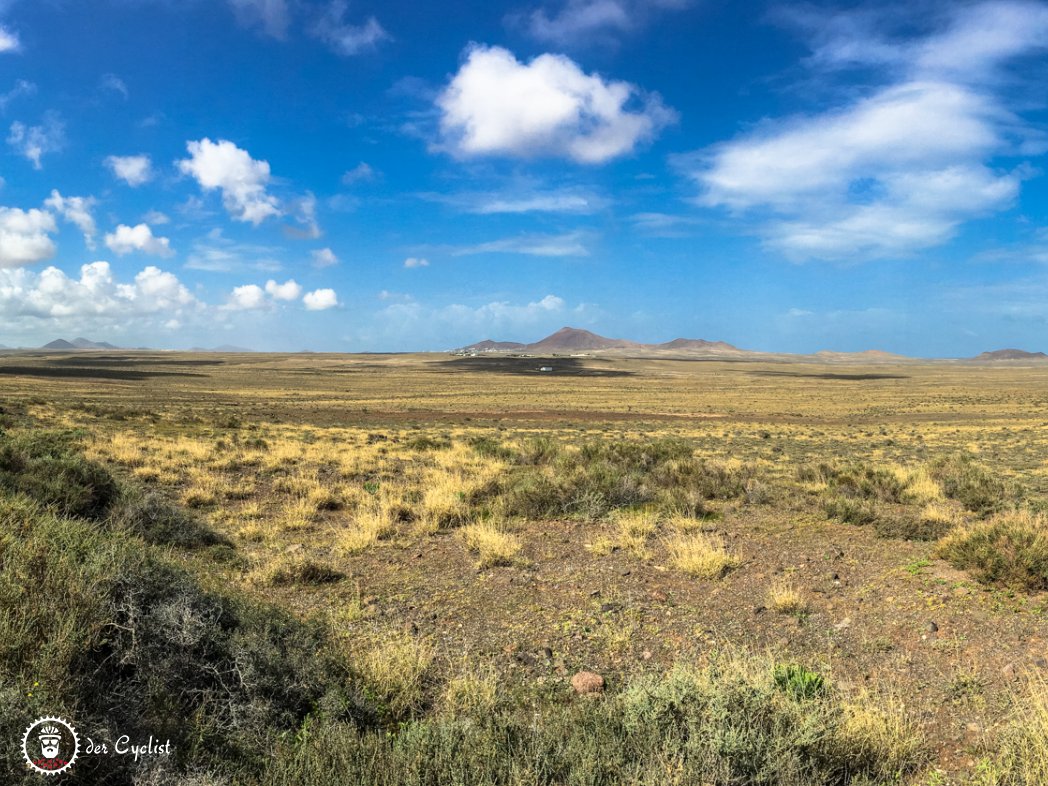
x=546 y=368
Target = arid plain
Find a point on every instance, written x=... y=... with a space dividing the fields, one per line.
x=468 y=527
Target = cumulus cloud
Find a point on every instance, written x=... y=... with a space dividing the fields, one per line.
x=249 y=297
x=896 y=170
x=140 y=237
x=324 y=257
x=289 y=290
x=133 y=170
x=569 y=244
x=77 y=211
x=34 y=142
x=9 y=40
x=95 y=294
x=25 y=236
x=344 y=38
x=411 y=262
x=497 y=105
x=320 y=299
x=241 y=179
x=272 y=17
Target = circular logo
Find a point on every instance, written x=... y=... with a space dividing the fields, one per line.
x=50 y=745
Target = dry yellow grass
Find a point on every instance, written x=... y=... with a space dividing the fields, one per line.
x=396 y=668
x=785 y=598
x=700 y=555
x=491 y=544
x=368 y=525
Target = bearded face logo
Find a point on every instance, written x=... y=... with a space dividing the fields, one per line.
x=50 y=745
x=50 y=741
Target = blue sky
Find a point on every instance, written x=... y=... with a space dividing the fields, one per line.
x=344 y=176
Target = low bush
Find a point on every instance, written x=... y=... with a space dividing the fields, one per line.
x=974 y=486
x=600 y=477
x=125 y=642
x=156 y=521
x=43 y=465
x=850 y=511
x=1010 y=549
x=730 y=723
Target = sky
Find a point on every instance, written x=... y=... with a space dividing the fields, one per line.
x=360 y=176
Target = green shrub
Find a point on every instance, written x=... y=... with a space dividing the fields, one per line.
x=120 y=639
x=974 y=486
x=798 y=681
x=44 y=466
x=730 y=723
x=490 y=447
x=1011 y=549
x=601 y=477
x=157 y=521
x=850 y=511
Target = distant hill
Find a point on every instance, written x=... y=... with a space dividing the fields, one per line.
x=86 y=343
x=571 y=340
x=696 y=343
x=1011 y=354
x=78 y=343
x=494 y=346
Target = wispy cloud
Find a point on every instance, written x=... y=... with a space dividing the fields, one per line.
x=570 y=244
x=518 y=201
x=585 y=22
x=344 y=38
x=896 y=170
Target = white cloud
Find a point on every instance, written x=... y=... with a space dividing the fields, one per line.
x=9 y=40
x=21 y=88
x=289 y=290
x=579 y=19
x=271 y=16
x=361 y=173
x=897 y=170
x=25 y=236
x=458 y=323
x=496 y=105
x=218 y=254
x=114 y=84
x=155 y=217
x=588 y=21
x=133 y=170
x=411 y=262
x=305 y=212
x=249 y=297
x=34 y=142
x=76 y=210
x=138 y=238
x=346 y=39
x=320 y=299
x=571 y=201
x=241 y=178
x=95 y=294
x=324 y=257
x=566 y=245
